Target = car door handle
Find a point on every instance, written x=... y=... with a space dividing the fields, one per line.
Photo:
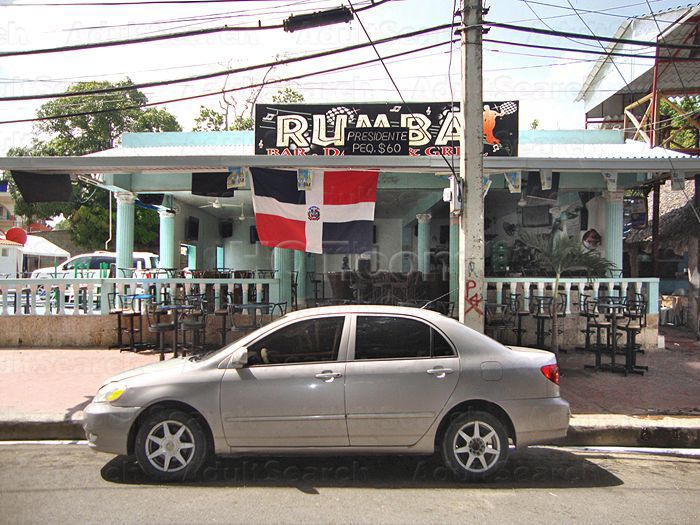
x=439 y=372
x=328 y=376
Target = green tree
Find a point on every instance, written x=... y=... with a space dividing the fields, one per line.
x=78 y=129
x=564 y=255
x=676 y=125
x=230 y=119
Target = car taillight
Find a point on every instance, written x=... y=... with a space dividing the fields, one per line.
x=551 y=372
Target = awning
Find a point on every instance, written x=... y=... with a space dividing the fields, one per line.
x=36 y=245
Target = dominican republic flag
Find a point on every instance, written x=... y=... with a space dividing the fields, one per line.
x=335 y=215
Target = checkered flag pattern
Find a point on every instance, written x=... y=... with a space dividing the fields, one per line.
x=508 y=108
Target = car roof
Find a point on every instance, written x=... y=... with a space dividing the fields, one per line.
x=369 y=309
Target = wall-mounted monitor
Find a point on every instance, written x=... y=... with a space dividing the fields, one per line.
x=254 y=235
x=211 y=184
x=192 y=229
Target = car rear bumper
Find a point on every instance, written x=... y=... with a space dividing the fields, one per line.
x=107 y=427
x=539 y=421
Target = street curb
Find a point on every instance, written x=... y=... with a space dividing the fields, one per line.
x=646 y=436
x=40 y=430
x=635 y=434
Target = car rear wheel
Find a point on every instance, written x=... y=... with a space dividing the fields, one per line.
x=475 y=445
x=171 y=445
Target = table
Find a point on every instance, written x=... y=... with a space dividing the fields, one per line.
x=254 y=307
x=613 y=307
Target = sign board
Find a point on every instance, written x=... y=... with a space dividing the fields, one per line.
x=433 y=128
x=376 y=141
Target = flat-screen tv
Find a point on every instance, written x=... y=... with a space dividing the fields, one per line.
x=192 y=229
x=254 y=235
x=534 y=216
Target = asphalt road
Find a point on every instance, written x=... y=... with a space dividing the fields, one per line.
x=71 y=484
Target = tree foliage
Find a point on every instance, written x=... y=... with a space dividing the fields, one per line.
x=564 y=255
x=74 y=126
x=677 y=124
x=233 y=118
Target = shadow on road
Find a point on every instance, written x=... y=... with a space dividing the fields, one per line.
x=531 y=468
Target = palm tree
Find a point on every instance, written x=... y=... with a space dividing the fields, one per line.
x=564 y=254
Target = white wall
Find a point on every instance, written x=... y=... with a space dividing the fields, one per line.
x=239 y=254
x=208 y=234
x=8 y=263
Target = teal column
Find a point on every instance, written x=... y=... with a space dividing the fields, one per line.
x=167 y=240
x=300 y=268
x=454 y=259
x=284 y=262
x=423 y=242
x=125 y=232
x=612 y=240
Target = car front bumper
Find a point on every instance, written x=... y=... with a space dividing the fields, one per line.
x=107 y=426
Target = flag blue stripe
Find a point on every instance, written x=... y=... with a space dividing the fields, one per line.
x=347 y=237
x=280 y=185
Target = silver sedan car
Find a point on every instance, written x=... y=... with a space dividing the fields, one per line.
x=336 y=380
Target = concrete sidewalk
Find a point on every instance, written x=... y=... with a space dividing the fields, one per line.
x=43 y=392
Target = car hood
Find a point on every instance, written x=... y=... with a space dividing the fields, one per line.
x=170 y=366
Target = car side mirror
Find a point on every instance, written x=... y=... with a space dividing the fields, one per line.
x=239 y=358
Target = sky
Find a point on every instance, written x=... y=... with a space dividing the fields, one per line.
x=545 y=82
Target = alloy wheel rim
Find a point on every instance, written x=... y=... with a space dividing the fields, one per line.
x=170 y=446
x=477 y=446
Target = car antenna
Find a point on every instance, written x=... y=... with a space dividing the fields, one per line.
x=438 y=298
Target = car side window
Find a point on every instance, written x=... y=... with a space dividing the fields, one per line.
x=386 y=337
x=80 y=261
x=308 y=341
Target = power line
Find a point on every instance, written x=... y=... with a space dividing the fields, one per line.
x=155 y=38
x=381 y=60
x=125 y=3
x=226 y=72
x=228 y=90
x=595 y=37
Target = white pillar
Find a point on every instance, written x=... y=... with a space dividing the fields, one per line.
x=168 y=258
x=423 y=242
x=125 y=231
x=613 y=228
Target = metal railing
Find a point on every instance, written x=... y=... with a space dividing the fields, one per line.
x=89 y=296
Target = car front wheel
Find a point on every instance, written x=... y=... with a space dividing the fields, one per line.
x=475 y=445
x=171 y=445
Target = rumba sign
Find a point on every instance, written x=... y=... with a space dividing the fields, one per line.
x=433 y=128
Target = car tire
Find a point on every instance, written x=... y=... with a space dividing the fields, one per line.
x=475 y=445
x=171 y=445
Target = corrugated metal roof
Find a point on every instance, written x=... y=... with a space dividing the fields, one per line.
x=629 y=150
x=177 y=151
x=5 y=242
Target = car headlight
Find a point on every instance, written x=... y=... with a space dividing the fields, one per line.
x=109 y=393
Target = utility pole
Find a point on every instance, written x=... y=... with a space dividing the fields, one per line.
x=471 y=168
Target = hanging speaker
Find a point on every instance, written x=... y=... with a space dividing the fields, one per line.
x=212 y=184
x=226 y=229
x=153 y=199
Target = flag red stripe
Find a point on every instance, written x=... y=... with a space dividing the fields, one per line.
x=349 y=187
x=274 y=230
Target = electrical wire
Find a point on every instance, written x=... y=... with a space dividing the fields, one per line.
x=595 y=37
x=154 y=38
x=228 y=90
x=391 y=78
x=142 y=85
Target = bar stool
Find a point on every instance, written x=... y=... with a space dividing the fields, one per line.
x=223 y=315
x=158 y=327
x=585 y=314
x=116 y=307
x=194 y=322
x=635 y=313
x=514 y=305
x=541 y=310
x=598 y=326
